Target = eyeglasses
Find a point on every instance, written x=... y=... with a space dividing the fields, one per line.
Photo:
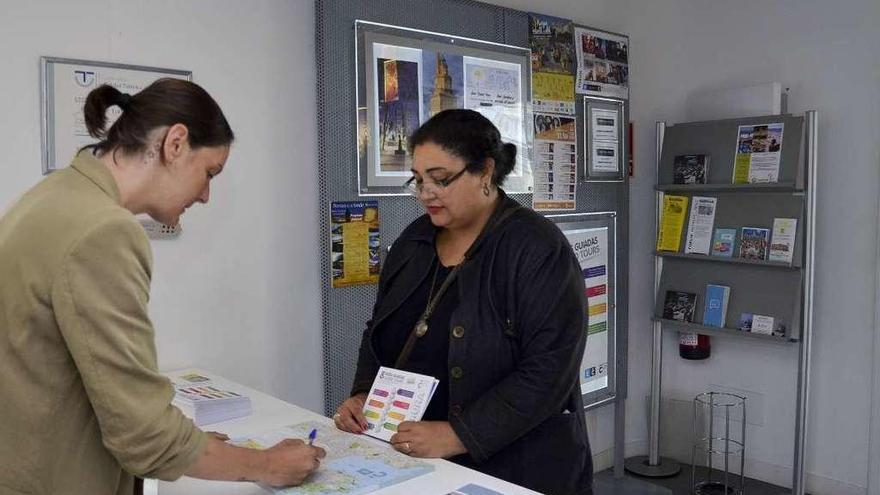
x=434 y=187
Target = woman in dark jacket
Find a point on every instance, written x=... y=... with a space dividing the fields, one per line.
x=487 y=297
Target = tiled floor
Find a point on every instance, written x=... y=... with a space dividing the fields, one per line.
x=680 y=484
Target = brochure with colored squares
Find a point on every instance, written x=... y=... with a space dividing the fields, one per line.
x=208 y=400
x=396 y=396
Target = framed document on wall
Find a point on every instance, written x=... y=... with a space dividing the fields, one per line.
x=405 y=76
x=64 y=85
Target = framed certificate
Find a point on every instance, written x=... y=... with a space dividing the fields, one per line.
x=64 y=86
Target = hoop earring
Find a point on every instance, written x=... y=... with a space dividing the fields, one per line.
x=485 y=189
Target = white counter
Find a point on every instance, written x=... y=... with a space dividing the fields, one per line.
x=270 y=413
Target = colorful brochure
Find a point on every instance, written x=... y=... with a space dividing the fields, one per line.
x=396 y=396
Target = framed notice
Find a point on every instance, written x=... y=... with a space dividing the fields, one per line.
x=604 y=136
x=64 y=85
x=405 y=76
x=593 y=238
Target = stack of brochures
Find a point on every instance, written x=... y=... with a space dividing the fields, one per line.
x=396 y=396
x=206 y=401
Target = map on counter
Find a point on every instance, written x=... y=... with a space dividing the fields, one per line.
x=354 y=465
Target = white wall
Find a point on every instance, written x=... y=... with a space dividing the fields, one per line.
x=238 y=293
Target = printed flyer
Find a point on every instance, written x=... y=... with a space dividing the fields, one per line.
x=550 y=39
x=602 y=63
x=555 y=163
x=354 y=243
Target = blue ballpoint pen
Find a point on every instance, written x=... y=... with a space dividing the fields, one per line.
x=313 y=435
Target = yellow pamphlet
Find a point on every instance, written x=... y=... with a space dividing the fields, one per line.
x=671 y=223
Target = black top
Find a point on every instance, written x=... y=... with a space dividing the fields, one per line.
x=514 y=397
x=429 y=355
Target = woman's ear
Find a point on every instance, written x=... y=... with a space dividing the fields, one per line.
x=175 y=143
x=489 y=171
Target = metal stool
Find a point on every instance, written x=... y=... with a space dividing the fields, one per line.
x=713 y=439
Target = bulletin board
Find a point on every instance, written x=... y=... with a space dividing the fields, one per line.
x=345 y=310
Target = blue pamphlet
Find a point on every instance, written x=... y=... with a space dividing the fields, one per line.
x=716 y=305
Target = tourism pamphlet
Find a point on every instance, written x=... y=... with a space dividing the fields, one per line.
x=762 y=324
x=671 y=223
x=758 y=153
x=472 y=489
x=396 y=396
x=208 y=400
x=782 y=243
x=753 y=243
x=715 y=312
x=679 y=306
x=700 y=223
x=690 y=169
x=723 y=242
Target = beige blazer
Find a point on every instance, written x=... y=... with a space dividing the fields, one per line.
x=82 y=405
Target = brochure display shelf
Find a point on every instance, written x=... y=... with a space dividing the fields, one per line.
x=781 y=290
x=718 y=259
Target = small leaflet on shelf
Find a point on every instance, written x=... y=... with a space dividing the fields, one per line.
x=679 y=306
x=700 y=223
x=715 y=312
x=753 y=243
x=754 y=323
x=782 y=243
x=723 y=242
x=671 y=223
x=758 y=153
x=690 y=169
x=396 y=396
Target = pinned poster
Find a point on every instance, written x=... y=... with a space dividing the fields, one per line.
x=551 y=43
x=354 y=243
x=602 y=63
x=591 y=249
x=555 y=162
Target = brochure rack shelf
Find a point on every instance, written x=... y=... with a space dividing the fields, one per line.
x=719 y=259
x=757 y=286
x=683 y=326
x=730 y=188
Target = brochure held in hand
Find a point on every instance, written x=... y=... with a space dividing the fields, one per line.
x=396 y=396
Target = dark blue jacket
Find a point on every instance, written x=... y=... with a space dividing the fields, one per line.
x=514 y=396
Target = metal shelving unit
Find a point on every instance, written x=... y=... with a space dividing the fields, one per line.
x=784 y=289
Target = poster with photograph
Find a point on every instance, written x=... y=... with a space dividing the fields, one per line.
x=442 y=83
x=591 y=248
x=407 y=76
x=354 y=243
x=551 y=41
x=758 y=153
x=602 y=63
x=494 y=88
x=555 y=163
x=399 y=103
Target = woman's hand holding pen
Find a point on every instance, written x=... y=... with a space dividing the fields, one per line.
x=350 y=415
x=427 y=439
